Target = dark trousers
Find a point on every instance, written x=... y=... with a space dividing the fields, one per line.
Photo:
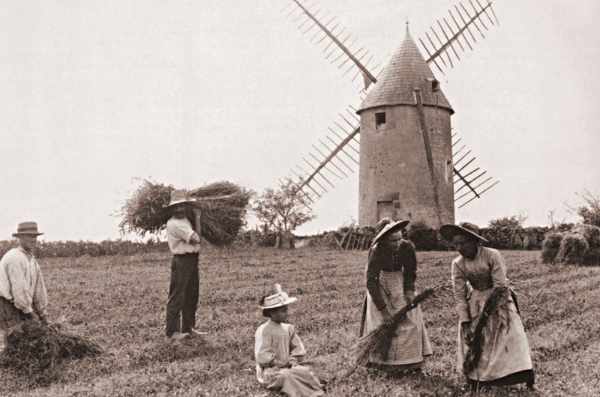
x=10 y=315
x=183 y=294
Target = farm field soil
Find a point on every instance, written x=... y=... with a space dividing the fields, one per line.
x=120 y=302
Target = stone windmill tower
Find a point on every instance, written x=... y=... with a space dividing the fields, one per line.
x=397 y=161
x=411 y=165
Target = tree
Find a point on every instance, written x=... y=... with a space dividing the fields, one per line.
x=513 y=222
x=283 y=209
x=590 y=210
x=507 y=232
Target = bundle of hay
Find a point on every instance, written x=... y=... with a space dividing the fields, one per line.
x=144 y=212
x=550 y=246
x=223 y=211
x=580 y=245
x=380 y=338
x=222 y=204
x=37 y=351
x=498 y=298
x=572 y=248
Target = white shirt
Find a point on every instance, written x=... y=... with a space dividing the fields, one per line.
x=21 y=281
x=179 y=232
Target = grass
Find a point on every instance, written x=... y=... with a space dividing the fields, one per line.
x=120 y=303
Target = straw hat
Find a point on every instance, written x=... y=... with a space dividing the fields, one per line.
x=465 y=229
x=390 y=228
x=27 y=229
x=179 y=196
x=383 y=222
x=278 y=299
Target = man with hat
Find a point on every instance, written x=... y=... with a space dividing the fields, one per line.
x=22 y=289
x=184 y=244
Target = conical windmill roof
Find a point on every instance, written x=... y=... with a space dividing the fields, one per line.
x=406 y=71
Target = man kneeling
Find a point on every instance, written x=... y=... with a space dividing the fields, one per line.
x=22 y=288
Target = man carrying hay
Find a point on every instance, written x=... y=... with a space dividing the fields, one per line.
x=184 y=244
x=22 y=289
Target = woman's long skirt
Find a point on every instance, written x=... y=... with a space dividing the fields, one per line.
x=505 y=351
x=411 y=343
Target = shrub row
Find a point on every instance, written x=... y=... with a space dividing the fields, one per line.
x=54 y=249
x=426 y=238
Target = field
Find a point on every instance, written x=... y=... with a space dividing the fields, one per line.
x=120 y=302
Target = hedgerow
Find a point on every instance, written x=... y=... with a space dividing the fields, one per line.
x=58 y=249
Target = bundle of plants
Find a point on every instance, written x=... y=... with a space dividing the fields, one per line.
x=573 y=247
x=550 y=246
x=145 y=211
x=591 y=233
x=223 y=211
x=379 y=340
x=37 y=351
x=498 y=298
x=222 y=204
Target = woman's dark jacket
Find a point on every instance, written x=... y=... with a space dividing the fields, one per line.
x=382 y=257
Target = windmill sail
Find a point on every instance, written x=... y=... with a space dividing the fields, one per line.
x=338 y=45
x=453 y=34
x=335 y=157
x=470 y=181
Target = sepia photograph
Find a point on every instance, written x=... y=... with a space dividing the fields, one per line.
x=300 y=198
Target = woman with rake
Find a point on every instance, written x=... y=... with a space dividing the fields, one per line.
x=391 y=274
x=492 y=345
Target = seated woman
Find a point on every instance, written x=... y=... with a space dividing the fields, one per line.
x=278 y=351
x=391 y=274
x=492 y=345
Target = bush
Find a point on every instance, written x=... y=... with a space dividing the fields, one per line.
x=534 y=237
x=504 y=237
x=329 y=240
x=423 y=237
x=591 y=234
x=550 y=246
x=63 y=249
x=564 y=227
x=267 y=239
x=592 y=257
x=572 y=248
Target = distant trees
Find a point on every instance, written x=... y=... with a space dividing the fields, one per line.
x=590 y=210
x=514 y=222
x=282 y=210
x=507 y=232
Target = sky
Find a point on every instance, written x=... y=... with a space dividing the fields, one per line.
x=98 y=94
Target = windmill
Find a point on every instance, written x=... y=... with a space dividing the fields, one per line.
x=411 y=164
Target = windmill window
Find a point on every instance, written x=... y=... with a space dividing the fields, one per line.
x=435 y=84
x=379 y=119
x=448 y=170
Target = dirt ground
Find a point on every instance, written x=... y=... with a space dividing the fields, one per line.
x=120 y=303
